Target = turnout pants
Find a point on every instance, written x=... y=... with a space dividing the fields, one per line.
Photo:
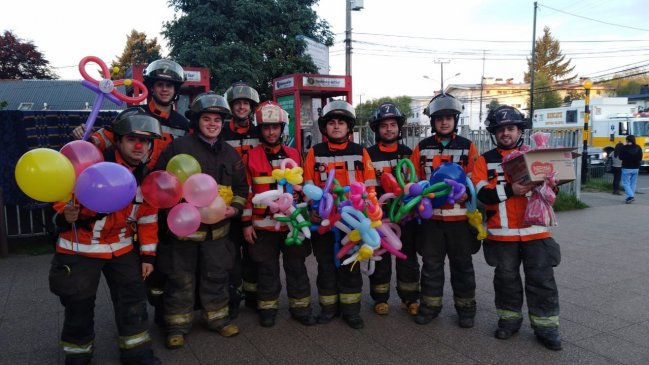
x=265 y=254
x=336 y=285
x=408 y=269
x=457 y=240
x=243 y=275
x=213 y=259
x=538 y=257
x=75 y=279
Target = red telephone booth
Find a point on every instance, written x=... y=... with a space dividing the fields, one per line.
x=303 y=96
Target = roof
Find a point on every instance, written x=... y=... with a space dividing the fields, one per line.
x=58 y=94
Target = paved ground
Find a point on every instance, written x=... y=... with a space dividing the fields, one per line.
x=604 y=293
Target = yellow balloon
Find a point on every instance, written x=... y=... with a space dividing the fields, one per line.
x=183 y=166
x=45 y=175
x=294 y=176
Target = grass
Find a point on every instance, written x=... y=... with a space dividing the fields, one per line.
x=597 y=185
x=566 y=202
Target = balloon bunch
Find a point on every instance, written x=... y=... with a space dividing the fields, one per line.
x=472 y=212
x=289 y=177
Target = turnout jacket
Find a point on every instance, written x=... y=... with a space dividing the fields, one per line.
x=505 y=211
x=241 y=139
x=385 y=159
x=350 y=161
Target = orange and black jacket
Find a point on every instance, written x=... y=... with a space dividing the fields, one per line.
x=173 y=125
x=350 y=161
x=242 y=139
x=505 y=211
x=430 y=153
x=262 y=160
x=385 y=159
x=105 y=236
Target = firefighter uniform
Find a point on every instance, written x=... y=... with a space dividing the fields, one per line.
x=262 y=160
x=208 y=250
x=99 y=243
x=509 y=243
x=243 y=276
x=447 y=233
x=351 y=163
x=385 y=159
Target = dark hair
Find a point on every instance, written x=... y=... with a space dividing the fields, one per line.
x=630 y=138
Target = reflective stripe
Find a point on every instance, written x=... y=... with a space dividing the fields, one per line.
x=238 y=199
x=502 y=195
x=455 y=211
x=175 y=132
x=481 y=184
x=464 y=302
x=198 y=236
x=72 y=349
x=179 y=319
x=107 y=141
x=262 y=180
x=508 y=315
x=517 y=231
x=156 y=291
x=432 y=152
x=128 y=342
x=299 y=302
x=247 y=212
x=219 y=314
x=350 y=298
x=381 y=288
x=411 y=287
x=248 y=142
x=147 y=218
x=94 y=248
x=370 y=182
x=268 y=223
x=431 y=301
x=267 y=304
x=551 y=321
x=249 y=287
x=381 y=165
x=149 y=247
x=328 y=299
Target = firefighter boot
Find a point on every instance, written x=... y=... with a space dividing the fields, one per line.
x=549 y=337
x=354 y=321
x=411 y=307
x=381 y=308
x=78 y=359
x=175 y=341
x=328 y=313
x=306 y=319
x=267 y=317
x=426 y=314
x=145 y=358
x=507 y=328
x=229 y=330
x=234 y=302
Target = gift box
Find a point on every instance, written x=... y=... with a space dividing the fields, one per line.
x=535 y=165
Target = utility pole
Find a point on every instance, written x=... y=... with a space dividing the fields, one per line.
x=348 y=38
x=481 y=89
x=441 y=63
x=532 y=67
x=584 y=156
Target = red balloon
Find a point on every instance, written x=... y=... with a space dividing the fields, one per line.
x=161 y=189
x=82 y=154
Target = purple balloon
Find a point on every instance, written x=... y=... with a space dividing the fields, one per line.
x=105 y=187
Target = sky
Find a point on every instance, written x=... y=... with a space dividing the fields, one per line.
x=396 y=43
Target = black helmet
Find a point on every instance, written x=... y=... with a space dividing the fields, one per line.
x=337 y=109
x=441 y=105
x=241 y=90
x=136 y=121
x=504 y=115
x=208 y=102
x=386 y=111
x=164 y=70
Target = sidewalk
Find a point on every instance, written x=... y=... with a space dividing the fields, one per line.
x=603 y=288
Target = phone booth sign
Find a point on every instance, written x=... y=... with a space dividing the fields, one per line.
x=303 y=96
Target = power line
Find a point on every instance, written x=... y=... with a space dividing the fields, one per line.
x=594 y=20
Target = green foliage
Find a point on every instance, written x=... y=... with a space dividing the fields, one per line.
x=364 y=111
x=138 y=50
x=574 y=94
x=625 y=84
x=493 y=104
x=3 y=104
x=250 y=40
x=21 y=60
x=549 y=59
x=544 y=95
x=565 y=201
x=597 y=185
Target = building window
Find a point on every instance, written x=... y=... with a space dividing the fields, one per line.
x=25 y=106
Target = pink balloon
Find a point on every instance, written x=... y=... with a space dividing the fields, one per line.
x=213 y=213
x=200 y=190
x=82 y=154
x=184 y=219
x=161 y=189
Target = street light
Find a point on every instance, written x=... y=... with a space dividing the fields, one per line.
x=355 y=5
x=443 y=81
x=584 y=157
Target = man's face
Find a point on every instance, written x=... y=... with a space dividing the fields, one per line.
x=241 y=108
x=164 y=90
x=388 y=130
x=444 y=124
x=508 y=135
x=336 y=129
x=271 y=133
x=134 y=149
x=209 y=124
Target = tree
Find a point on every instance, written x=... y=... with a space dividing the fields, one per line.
x=138 y=50
x=493 y=104
x=21 y=60
x=549 y=59
x=628 y=83
x=250 y=40
x=364 y=111
x=544 y=95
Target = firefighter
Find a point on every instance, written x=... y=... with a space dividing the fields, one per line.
x=266 y=242
x=338 y=288
x=91 y=243
x=386 y=123
x=510 y=242
x=242 y=134
x=448 y=232
x=209 y=250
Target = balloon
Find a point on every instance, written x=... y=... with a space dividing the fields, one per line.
x=447 y=170
x=161 y=189
x=45 y=175
x=200 y=190
x=183 y=166
x=105 y=187
x=213 y=213
x=184 y=219
x=82 y=154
